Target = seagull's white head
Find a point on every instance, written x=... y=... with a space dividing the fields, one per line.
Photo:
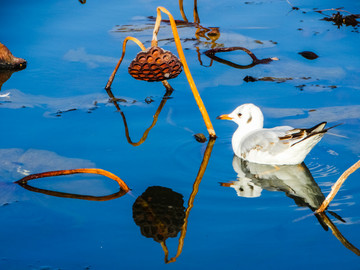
x=246 y=115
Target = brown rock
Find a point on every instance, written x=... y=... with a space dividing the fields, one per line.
x=8 y=61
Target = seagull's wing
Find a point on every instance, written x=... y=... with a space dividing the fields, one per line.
x=279 y=139
x=267 y=140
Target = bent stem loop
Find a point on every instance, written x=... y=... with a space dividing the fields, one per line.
x=335 y=188
x=255 y=61
x=155 y=118
x=112 y=176
x=185 y=65
x=166 y=96
x=138 y=42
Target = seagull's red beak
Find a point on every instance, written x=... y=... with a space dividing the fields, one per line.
x=224 y=117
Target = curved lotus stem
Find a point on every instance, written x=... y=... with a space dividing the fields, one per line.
x=166 y=250
x=138 y=42
x=335 y=188
x=255 y=61
x=195 y=190
x=185 y=65
x=181 y=7
x=196 y=14
x=156 y=115
x=121 y=183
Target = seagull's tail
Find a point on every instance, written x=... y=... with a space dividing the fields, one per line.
x=318 y=130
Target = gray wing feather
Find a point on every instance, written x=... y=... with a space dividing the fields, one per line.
x=267 y=140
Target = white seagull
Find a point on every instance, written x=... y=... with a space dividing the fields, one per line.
x=283 y=145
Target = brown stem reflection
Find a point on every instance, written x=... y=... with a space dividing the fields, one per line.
x=166 y=96
x=123 y=186
x=255 y=61
x=195 y=190
x=337 y=233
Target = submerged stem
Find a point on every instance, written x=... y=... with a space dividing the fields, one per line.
x=112 y=176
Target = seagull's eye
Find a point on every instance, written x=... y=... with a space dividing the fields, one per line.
x=239 y=114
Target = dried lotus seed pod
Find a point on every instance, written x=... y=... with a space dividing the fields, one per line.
x=155 y=64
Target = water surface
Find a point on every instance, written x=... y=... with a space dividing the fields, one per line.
x=57 y=115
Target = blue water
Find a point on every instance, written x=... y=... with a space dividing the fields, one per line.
x=72 y=48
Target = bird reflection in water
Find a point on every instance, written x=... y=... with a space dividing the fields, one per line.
x=295 y=181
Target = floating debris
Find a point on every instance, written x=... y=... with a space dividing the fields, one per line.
x=325 y=87
x=60 y=112
x=301 y=87
x=309 y=55
x=340 y=20
x=8 y=61
x=272 y=79
x=250 y=79
x=200 y=137
x=148 y=100
x=9 y=64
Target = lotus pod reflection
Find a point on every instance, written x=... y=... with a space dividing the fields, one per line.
x=159 y=212
x=155 y=64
